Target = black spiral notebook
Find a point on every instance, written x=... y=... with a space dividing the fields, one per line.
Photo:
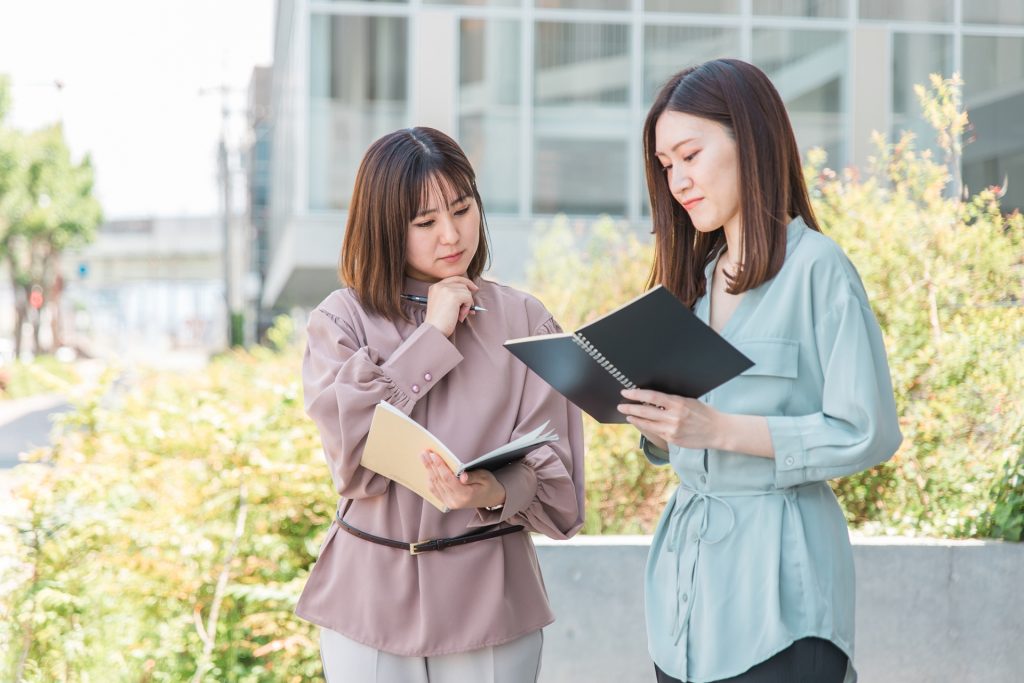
x=652 y=342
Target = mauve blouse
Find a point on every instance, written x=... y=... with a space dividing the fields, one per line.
x=475 y=396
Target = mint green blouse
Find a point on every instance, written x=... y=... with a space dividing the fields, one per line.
x=753 y=553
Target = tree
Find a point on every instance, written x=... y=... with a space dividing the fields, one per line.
x=46 y=206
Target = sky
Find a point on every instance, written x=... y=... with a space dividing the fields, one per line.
x=132 y=74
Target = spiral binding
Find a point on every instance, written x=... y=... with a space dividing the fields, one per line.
x=592 y=351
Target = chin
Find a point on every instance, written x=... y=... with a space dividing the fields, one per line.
x=704 y=227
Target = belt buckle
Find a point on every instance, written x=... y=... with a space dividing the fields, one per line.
x=414 y=547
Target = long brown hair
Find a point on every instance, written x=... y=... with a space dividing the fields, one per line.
x=395 y=176
x=739 y=96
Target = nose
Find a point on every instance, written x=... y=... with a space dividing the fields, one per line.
x=448 y=232
x=678 y=180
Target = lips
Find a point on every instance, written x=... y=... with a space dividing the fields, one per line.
x=453 y=257
x=688 y=205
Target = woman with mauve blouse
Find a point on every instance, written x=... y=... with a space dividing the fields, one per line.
x=750 y=574
x=390 y=609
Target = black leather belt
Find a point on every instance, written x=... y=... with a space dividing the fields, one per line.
x=417 y=547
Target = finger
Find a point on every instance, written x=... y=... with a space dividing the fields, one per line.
x=432 y=474
x=434 y=470
x=648 y=426
x=460 y=280
x=648 y=412
x=444 y=473
x=649 y=396
x=433 y=481
x=467 y=282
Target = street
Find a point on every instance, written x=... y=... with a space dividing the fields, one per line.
x=26 y=423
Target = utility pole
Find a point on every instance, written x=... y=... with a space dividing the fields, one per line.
x=231 y=229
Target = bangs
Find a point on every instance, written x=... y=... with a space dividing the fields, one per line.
x=451 y=184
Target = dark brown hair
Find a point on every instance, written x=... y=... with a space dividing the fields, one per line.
x=739 y=96
x=397 y=174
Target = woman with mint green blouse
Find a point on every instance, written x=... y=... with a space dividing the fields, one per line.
x=750 y=577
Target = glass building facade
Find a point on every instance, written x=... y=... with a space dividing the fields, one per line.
x=548 y=97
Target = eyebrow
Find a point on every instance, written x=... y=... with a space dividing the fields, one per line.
x=677 y=145
x=459 y=200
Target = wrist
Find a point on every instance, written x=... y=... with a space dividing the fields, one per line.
x=437 y=326
x=723 y=432
x=498 y=501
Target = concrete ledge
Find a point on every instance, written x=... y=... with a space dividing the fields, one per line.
x=927 y=610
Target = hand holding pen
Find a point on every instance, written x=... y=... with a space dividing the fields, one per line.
x=449 y=302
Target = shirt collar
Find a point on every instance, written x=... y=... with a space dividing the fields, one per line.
x=413 y=286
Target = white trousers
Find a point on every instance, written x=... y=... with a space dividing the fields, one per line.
x=346 y=661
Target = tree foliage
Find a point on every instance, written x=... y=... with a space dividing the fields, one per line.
x=46 y=206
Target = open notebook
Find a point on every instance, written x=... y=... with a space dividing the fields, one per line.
x=651 y=342
x=396 y=441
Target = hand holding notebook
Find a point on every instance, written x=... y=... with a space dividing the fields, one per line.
x=652 y=342
x=395 y=442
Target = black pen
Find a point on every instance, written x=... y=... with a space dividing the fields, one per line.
x=423 y=300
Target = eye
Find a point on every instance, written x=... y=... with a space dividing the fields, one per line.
x=425 y=224
x=666 y=169
x=462 y=211
x=691 y=156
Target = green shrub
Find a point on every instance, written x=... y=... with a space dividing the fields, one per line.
x=169 y=532
x=945 y=279
x=1006 y=520
x=45 y=374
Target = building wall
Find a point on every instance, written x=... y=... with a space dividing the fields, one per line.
x=148 y=286
x=548 y=97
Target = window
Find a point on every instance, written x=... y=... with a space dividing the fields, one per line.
x=809 y=69
x=581 y=118
x=696 y=6
x=357 y=93
x=914 y=57
x=994 y=98
x=585 y=4
x=489 y=97
x=999 y=12
x=908 y=10
x=801 y=8
x=669 y=49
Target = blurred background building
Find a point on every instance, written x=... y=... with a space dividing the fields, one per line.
x=148 y=287
x=548 y=98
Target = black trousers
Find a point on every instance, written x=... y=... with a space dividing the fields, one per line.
x=808 y=660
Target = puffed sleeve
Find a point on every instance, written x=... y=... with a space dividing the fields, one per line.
x=343 y=382
x=857 y=426
x=544 y=491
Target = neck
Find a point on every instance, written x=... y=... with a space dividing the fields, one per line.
x=734 y=244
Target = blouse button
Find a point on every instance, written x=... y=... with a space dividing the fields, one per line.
x=415 y=388
x=789 y=460
x=427 y=377
x=703 y=479
x=685 y=597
